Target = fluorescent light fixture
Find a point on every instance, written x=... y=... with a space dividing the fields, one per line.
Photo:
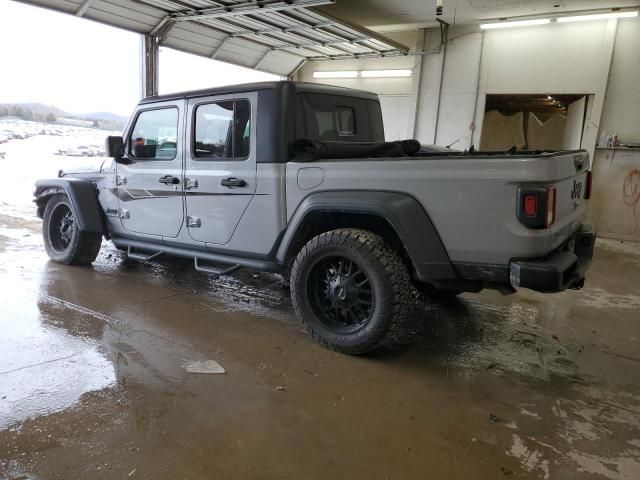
x=520 y=23
x=598 y=16
x=384 y=73
x=338 y=74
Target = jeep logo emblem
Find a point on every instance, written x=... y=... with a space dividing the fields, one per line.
x=577 y=190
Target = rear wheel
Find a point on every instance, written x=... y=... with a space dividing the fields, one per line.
x=350 y=290
x=63 y=241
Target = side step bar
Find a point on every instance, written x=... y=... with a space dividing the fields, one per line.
x=215 y=272
x=140 y=257
x=156 y=250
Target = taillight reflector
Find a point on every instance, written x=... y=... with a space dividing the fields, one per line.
x=551 y=206
x=530 y=205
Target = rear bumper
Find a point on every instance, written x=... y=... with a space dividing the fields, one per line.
x=565 y=268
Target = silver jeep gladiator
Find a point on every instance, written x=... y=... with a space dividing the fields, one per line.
x=296 y=178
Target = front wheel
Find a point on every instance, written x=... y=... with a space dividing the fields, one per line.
x=63 y=241
x=350 y=289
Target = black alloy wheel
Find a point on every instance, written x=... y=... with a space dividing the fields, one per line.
x=61 y=227
x=340 y=294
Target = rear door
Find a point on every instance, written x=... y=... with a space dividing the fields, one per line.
x=220 y=167
x=150 y=187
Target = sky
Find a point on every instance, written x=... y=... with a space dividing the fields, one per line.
x=82 y=66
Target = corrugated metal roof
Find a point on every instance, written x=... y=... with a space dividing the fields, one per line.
x=275 y=36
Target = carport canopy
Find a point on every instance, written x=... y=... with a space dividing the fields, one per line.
x=275 y=36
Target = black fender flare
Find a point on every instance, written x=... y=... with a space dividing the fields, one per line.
x=83 y=197
x=403 y=212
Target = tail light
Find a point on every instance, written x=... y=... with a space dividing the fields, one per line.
x=587 y=191
x=531 y=205
x=536 y=207
x=550 y=207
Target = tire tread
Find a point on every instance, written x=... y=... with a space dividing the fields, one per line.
x=85 y=246
x=374 y=248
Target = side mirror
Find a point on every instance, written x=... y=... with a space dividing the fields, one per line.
x=115 y=147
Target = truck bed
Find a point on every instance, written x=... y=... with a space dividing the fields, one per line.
x=471 y=197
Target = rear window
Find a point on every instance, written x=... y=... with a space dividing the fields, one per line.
x=328 y=117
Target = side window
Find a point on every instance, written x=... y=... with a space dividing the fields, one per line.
x=222 y=130
x=155 y=135
x=338 y=122
x=328 y=117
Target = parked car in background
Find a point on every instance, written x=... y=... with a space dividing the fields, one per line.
x=81 y=151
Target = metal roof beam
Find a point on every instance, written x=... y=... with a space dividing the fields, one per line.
x=83 y=8
x=321 y=27
x=385 y=54
x=162 y=28
x=246 y=8
x=296 y=68
x=365 y=31
x=319 y=44
x=300 y=28
x=219 y=47
x=262 y=59
x=306 y=41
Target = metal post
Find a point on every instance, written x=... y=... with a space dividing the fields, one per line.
x=442 y=68
x=150 y=62
x=416 y=87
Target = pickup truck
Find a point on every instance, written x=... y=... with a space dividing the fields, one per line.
x=296 y=178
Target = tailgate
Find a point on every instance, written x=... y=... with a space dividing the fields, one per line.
x=571 y=186
x=553 y=208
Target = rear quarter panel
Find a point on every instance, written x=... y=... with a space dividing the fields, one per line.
x=471 y=201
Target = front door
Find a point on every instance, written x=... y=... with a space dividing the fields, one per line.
x=150 y=188
x=220 y=166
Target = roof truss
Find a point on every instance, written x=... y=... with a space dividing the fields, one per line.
x=274 y=35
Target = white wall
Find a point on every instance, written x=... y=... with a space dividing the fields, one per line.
x=555 y=58
x=396 y=113
x=457 y=99
x=621 y=112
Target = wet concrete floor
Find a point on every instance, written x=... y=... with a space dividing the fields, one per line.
x=93 y=379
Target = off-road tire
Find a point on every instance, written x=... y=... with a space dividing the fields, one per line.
x=389 y=280
x=79 y=248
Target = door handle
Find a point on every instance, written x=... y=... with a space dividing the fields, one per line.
x=169 y=180
x=233 y=182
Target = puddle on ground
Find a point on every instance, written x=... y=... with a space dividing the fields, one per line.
x=43 y=368
x=594 y=431
x=630 y=250
x=594 y=297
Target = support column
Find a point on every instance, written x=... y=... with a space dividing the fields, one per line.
x=416 y=86
x=594 y=110
x=149 y=61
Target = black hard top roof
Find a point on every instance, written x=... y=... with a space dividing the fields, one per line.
x=252 y=87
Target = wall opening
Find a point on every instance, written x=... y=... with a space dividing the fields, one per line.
x=534 y=122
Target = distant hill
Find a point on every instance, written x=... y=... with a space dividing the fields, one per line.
x=104 y=116
x=49 y=113
x=37 y=108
